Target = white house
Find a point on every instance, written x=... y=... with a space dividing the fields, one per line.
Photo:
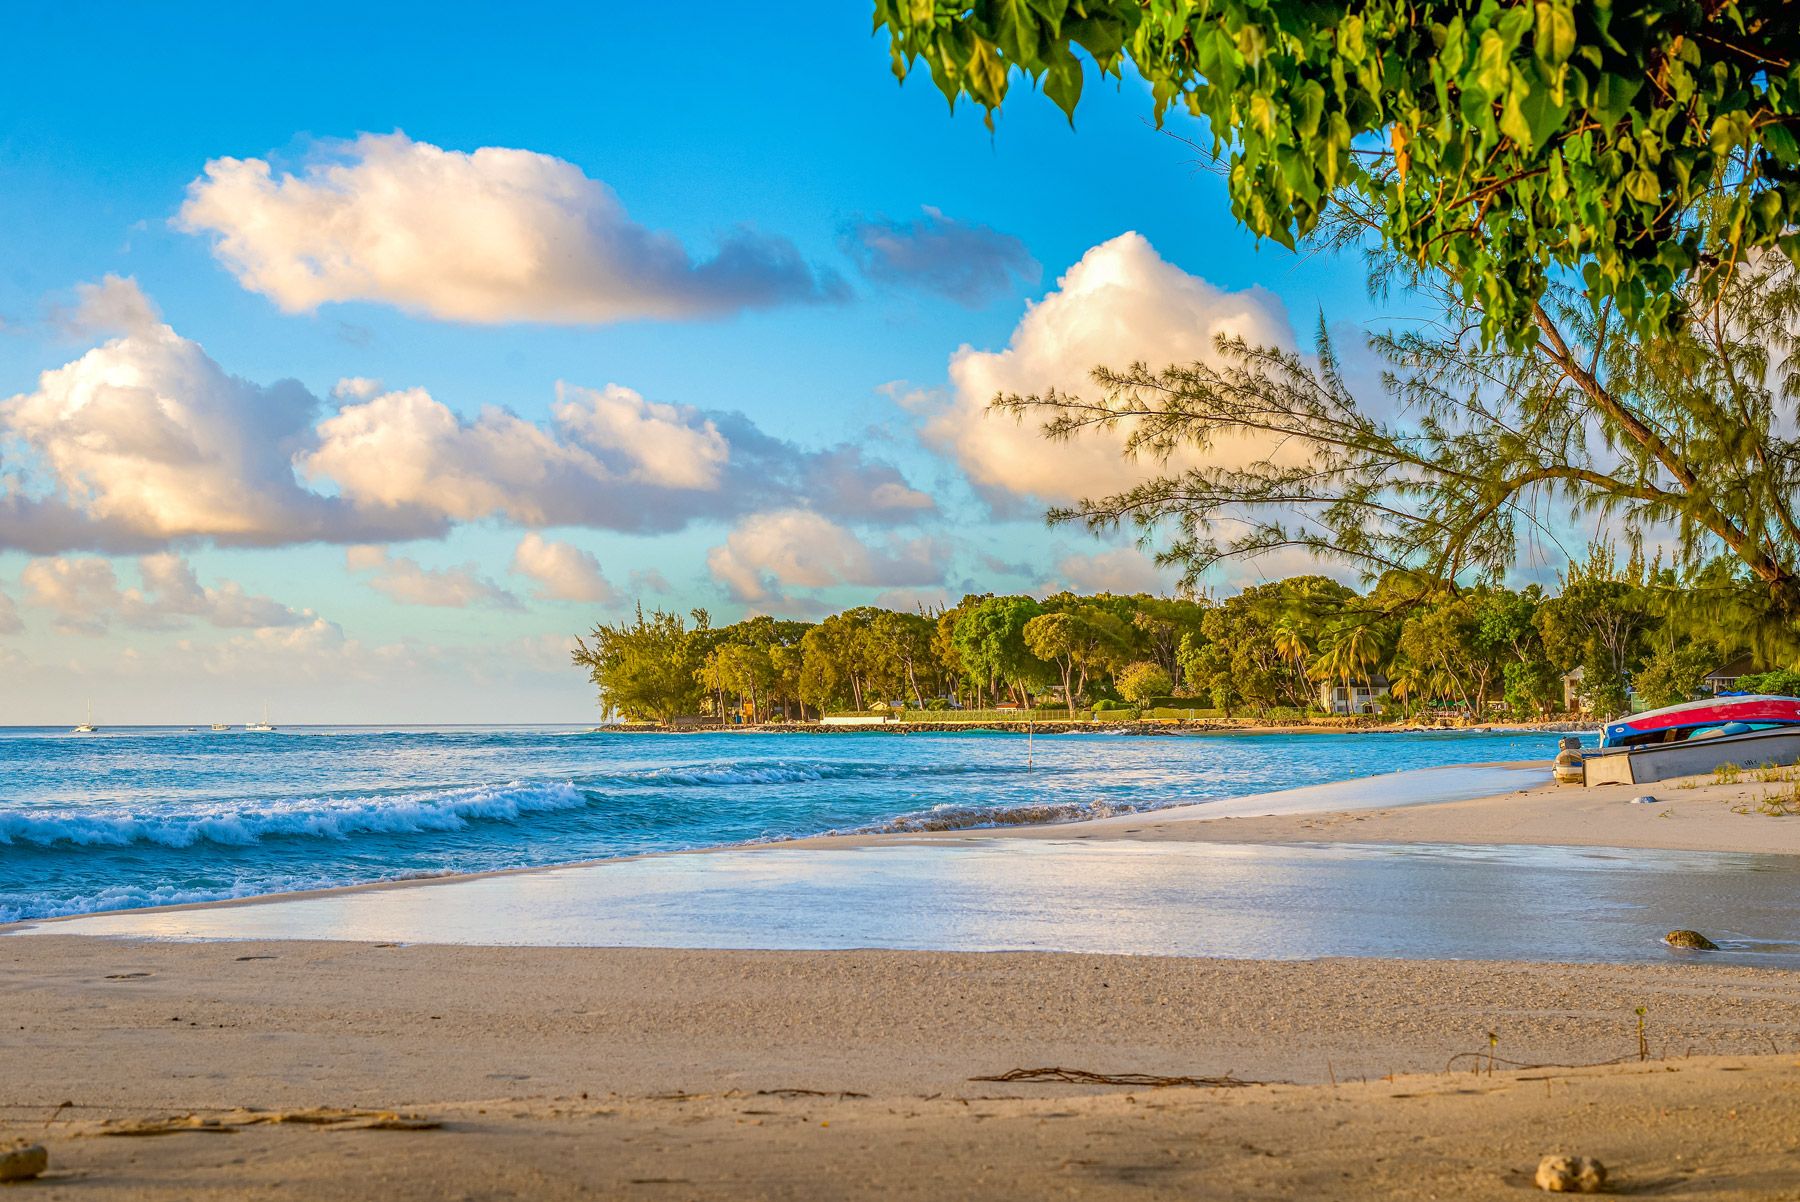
x=1357 y=697
x=1573 y=701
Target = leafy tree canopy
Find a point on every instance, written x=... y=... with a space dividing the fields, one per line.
x=1645 y=144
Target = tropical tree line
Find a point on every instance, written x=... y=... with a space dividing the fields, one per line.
x=1627 y=632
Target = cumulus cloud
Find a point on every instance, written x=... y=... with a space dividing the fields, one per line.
x=80 y=593
x=355 y=388
x=608 y=458
x=115 y=305
x=493 y=235
x=769 y=553
x=411 y=583
x=84 y=596
x=969 y=264
x=10 y=622
x=146 y=441
x=1120 y=304
x=563 y=571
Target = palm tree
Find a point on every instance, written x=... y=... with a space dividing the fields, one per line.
x=1291 y=645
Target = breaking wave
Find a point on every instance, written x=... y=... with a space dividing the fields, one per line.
x=239 y=825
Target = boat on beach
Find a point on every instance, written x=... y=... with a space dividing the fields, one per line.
x=1697 y=737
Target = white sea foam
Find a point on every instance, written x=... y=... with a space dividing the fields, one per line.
x=234 y=824
x=133 y=897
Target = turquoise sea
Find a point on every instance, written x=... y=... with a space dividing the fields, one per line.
x=150 y=816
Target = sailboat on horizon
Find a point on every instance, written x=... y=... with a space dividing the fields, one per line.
x=264 y=724
x=87 y=727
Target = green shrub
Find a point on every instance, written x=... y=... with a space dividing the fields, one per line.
x=1782 y=683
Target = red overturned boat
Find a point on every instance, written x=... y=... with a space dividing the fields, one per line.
x=1697 y=737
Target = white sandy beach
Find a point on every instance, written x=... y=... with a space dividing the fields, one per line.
x=571 y=1072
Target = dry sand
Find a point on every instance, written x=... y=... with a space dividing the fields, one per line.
x=502 y=1044
x=1694 y=814
x=580 y=1072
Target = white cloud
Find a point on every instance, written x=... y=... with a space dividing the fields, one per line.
x=1120 y=304
x=84 y=596
x=669 y=446
x=494 y=235
x=145 y=441
x=10 y=622
x=411 y=583
x=768 y=553
x=115 y=305
x=563 y=571
x=80 y=593
x=355 y=388
x=1120 y=570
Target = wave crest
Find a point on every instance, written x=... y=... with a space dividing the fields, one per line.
x=319 y=818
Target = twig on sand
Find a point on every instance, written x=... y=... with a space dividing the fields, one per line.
x=1487 y=1058
x=1076 y=1076
x=809 y=1093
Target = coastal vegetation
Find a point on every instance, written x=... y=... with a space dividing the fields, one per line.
x=1644 y=147
x=1613 y=633
x=1595 y=203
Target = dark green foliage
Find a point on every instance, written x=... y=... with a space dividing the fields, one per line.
x=1782 y=682
x=1268 y=650
x=1642 y=146
x=646 y=668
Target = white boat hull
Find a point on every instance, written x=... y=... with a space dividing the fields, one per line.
x=1692 y=757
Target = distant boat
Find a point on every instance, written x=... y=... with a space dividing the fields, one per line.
x=264 y=724
x=88 y=727
x=221 y=726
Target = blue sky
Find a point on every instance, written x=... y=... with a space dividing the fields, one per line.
x=792 y=128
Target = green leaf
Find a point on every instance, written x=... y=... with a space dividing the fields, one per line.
x=1554 y=38
x=1063 y=79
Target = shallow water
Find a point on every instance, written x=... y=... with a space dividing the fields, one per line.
x=982 y=893
x=141 y=817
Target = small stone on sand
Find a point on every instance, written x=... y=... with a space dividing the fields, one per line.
x=1691 y=939
x=1571 y=1175
x=1645 y=800
x=22 y=1161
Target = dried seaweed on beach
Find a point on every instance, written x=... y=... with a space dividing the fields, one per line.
x=329 y=1118
x=1077 y=1076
